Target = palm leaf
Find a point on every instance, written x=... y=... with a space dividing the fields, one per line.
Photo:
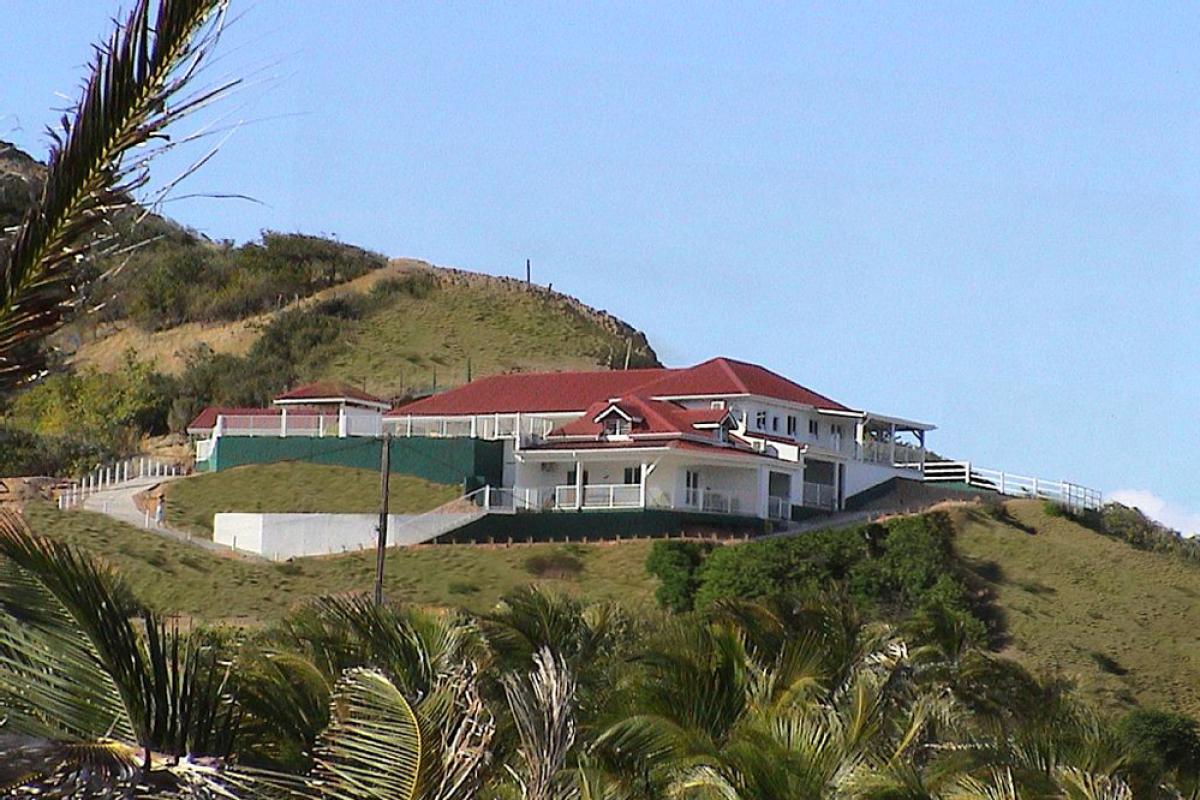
x=136 y=89
x=372 y=747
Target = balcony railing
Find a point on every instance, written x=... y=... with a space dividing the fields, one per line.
x=904 y=455
x=820 y=495
x=606 y=495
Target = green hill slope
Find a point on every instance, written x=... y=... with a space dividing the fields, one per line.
x=1120 y=621
x=295 y=488
x=183 y=579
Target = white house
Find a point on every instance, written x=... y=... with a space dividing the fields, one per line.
x=723 y=436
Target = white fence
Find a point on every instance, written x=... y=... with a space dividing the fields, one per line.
x=481 y=426
x=893 y=454
x=1071 y=495
x=113 y=476
x=819 y=495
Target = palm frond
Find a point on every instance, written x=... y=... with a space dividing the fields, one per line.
x=373 y=746
x=542 y=710
x=136 y=89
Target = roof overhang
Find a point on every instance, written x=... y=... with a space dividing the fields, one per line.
x=900 y=422
x=346 y=401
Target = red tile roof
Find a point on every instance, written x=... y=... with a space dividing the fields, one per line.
x=326 y=390
x=532 y=393
x=642 y=444
x=725 y=376
x=546 y=392
x=651 y=417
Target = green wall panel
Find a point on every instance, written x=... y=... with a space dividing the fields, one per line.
x=451 y=461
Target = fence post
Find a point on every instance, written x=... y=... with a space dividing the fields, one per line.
x=1036 y=490
x=487 y=497
x=1002 y=484
x=967 y=471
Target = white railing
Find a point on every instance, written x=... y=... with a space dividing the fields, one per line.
x=443 y=519
x=779 y=507
x=819 y=495
x=1071 y=495
x=893 y=455
x=603 y=495
x=113 y=476
x=480 y=426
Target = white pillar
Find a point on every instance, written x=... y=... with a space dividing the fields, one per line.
x=342 y=426
x=283 y=422
x=892 y=458
x=642 y=486
x=764 y=491
x=578 y=484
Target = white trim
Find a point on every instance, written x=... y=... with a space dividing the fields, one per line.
x=349 y=401
x=900 y=422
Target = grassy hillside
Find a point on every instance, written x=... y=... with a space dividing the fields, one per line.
x=1120 y=621
x=180 y=578
x=297 y=488
x=408 y=339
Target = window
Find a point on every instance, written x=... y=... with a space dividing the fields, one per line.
x=775 y=424
x=760 y=420
x=633 y=475
x=814 y=428
x=571 y=477
x=836 y=430
x=717 y=404
x=791 y=425
x=692 y=481
x=616 y=425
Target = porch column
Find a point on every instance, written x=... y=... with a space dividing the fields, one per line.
x=578 y=485
x=283 y=421
x=342 y=421
x=892 y=445
x=921 y=439
x=642 y=487
x=764 y=491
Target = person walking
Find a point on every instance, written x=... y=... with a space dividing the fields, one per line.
x=160 y=511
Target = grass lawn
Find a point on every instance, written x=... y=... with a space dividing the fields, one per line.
x=295 y=487
x=180 y=578
x=1120 y=621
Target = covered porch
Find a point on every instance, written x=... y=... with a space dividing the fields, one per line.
x=736 y=484
x=893 y=441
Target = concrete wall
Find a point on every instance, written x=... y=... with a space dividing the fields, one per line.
x=862 y=475
x=282 y=536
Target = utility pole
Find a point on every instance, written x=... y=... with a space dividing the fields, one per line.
x=528 y=272
x=385 y=471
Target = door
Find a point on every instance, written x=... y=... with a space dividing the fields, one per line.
x=691 y=496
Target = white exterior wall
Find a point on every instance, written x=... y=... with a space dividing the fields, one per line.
x=282 y=536
x=862 y=475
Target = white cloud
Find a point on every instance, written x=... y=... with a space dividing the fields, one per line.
x=1155 y=507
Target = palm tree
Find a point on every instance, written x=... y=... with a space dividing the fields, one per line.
x=137 y=89
x=94 y=701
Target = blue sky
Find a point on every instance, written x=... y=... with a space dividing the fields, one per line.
x=988 y=218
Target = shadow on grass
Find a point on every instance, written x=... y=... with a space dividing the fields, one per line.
x=982 y=578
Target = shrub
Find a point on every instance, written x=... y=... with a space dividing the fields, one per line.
x=675 y=564
x=560 y=565
x=1161 y=741
x=462 y=587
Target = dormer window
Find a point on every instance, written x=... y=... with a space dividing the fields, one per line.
x=616 y=426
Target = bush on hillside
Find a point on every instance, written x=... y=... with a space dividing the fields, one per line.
x=1159 y=742
x=109 y=411
x=675 y=563
x=902 y=567
x=27 y=453
x=179 y=279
